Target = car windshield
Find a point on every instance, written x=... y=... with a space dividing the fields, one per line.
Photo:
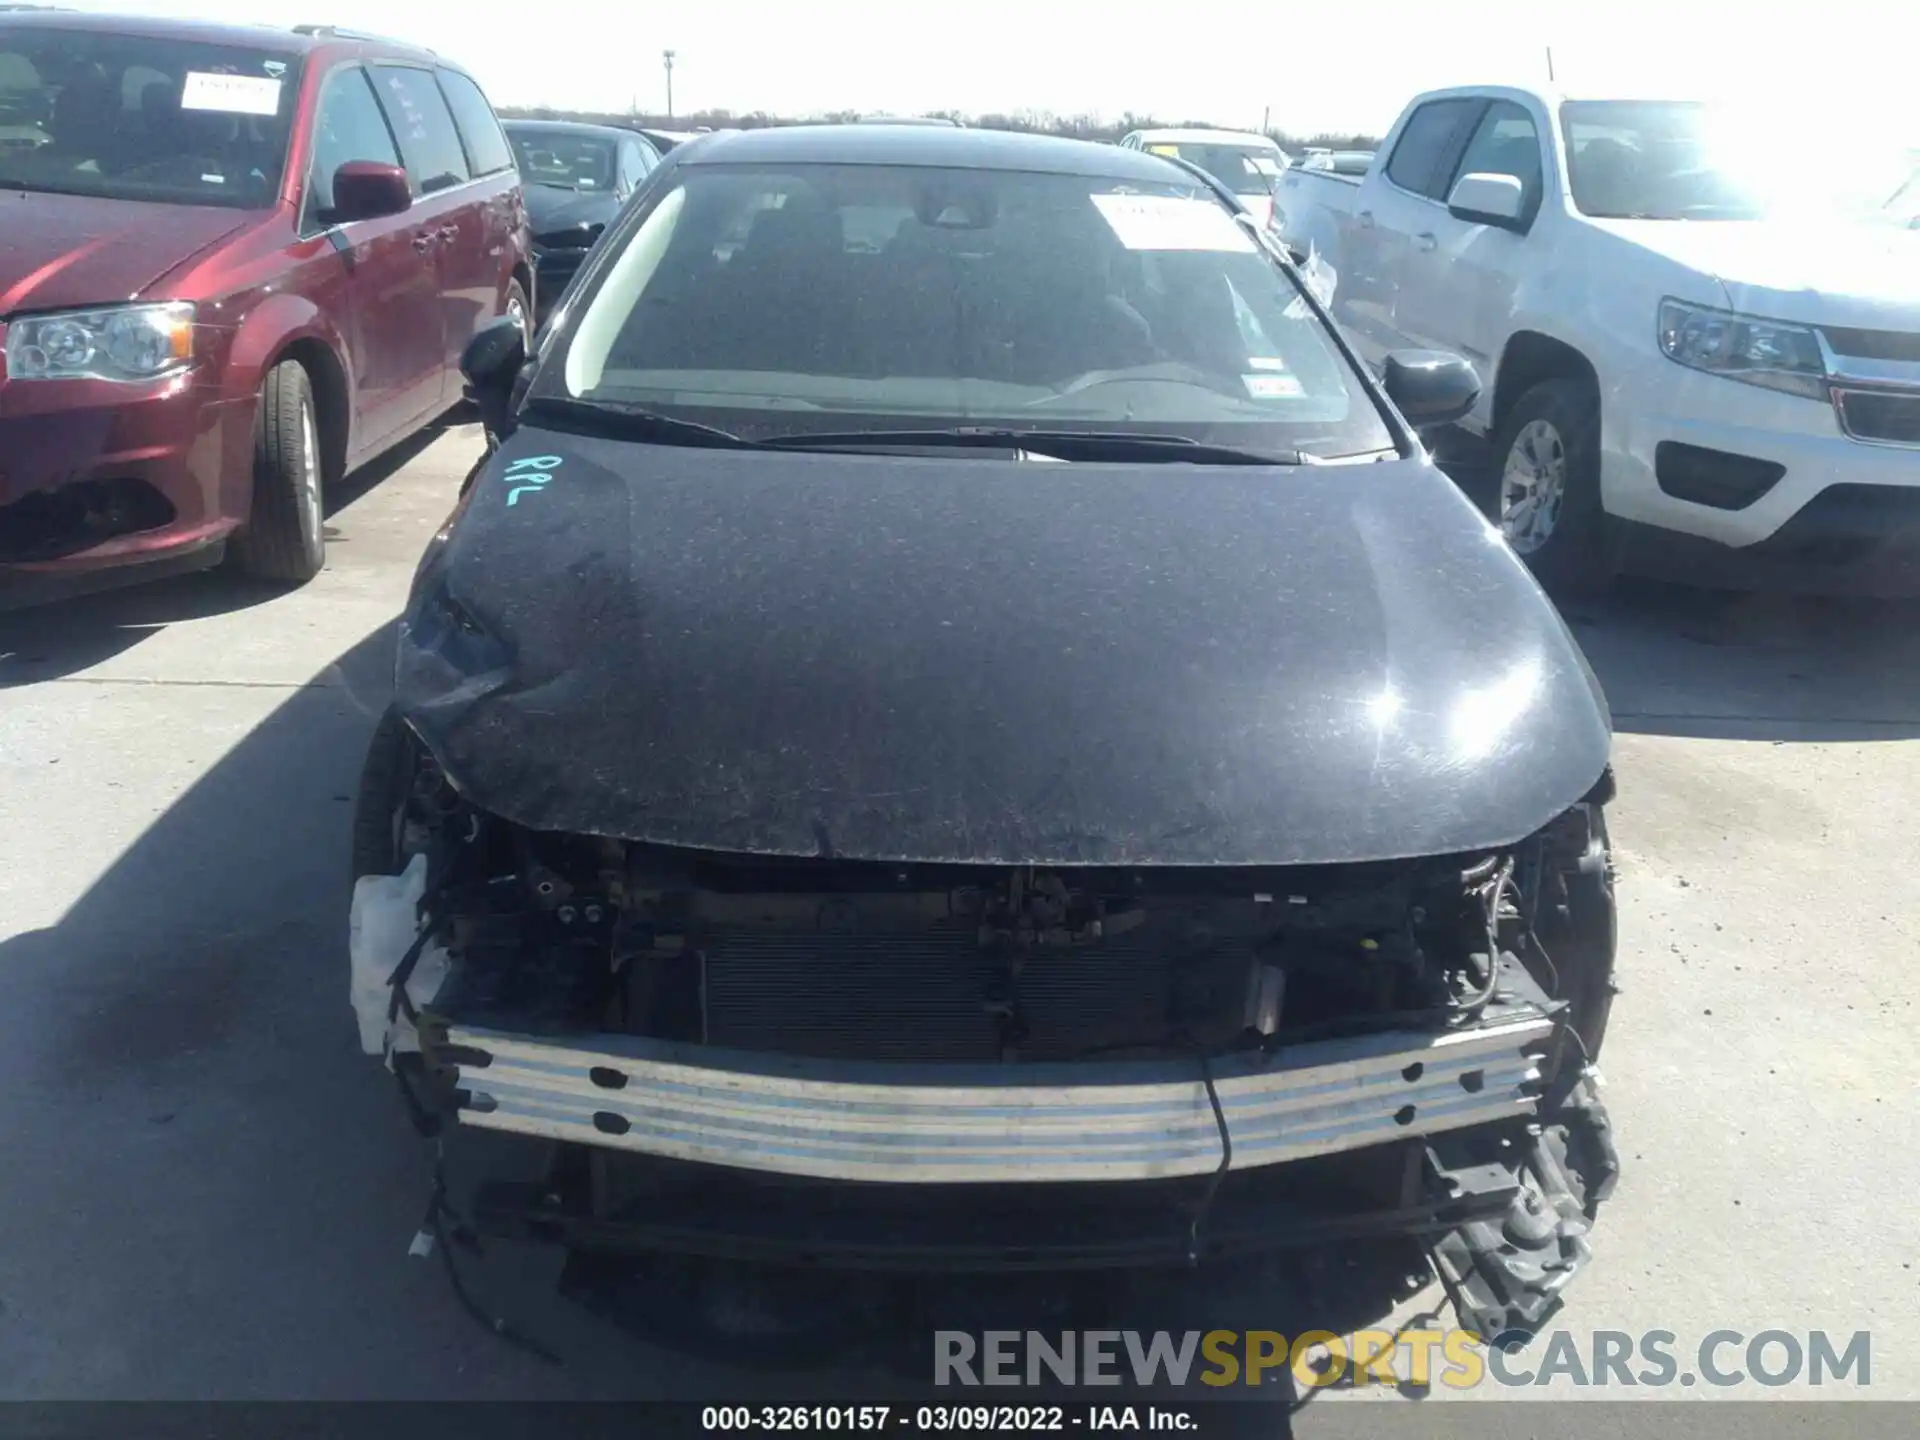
x=831 y=297
x=566 y=160
x=133 y=117
x=1250 y=169
x=1676 y=160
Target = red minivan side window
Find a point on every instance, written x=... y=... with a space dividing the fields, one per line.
x=347 y=126
x=429 y=143
x=487 y=150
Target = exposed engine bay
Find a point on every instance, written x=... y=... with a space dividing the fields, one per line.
x=956 y=1031
x=865 y=961
x=860 y=960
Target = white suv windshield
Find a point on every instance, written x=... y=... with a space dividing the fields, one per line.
x=130 y=117
x=783 y=296
x=1685 y=160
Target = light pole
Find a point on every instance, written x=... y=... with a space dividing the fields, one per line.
x=667 y=56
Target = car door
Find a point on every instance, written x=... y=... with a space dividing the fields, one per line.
x=444 y=231
x=1461 y=275
x=481 y=263
x=384 y=292
x=1389 y=212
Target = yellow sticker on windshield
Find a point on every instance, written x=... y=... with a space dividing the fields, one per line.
x=1173 y=150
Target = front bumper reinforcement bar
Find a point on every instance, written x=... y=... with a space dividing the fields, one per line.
x=937 y=1124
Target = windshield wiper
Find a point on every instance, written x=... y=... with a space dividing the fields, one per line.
x=39 y=187
x=612 y=420
x=1068 y=444
x=615 y=420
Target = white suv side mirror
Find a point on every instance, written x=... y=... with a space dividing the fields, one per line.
x=1489 y=200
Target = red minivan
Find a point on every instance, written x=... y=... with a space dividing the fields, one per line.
x=235 y=263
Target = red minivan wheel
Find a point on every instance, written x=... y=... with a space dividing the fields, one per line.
x=518 y=310
x=283 y=540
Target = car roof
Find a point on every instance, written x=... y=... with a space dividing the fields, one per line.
x=1206 y=137
x=260 y=37
x=569 y=127
x=929 y=145
x=1552 y=96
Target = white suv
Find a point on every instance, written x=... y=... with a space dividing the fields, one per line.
x=1691 y=360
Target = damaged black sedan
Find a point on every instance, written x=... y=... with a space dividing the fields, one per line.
x=959 y=728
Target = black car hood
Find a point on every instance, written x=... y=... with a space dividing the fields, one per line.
x=553 y=211
x=974 y=659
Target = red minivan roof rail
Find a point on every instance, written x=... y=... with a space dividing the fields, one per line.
x=341 y=32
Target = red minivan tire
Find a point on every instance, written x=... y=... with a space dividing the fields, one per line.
x=519 y=307
x=283 y=540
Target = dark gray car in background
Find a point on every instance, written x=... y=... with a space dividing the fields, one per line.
x=576 y=177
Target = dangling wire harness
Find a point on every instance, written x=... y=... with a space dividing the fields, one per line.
x=1201 y=1211
x=442 y=1227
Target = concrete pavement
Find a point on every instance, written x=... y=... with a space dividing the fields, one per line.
x=209 y=1192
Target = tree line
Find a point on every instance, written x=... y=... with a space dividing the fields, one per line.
x=1033 y=122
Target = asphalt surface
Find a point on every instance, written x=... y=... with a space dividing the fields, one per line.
x=207 y=1192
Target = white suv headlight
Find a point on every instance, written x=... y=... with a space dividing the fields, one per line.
x=1769 y=353
x=126 y=343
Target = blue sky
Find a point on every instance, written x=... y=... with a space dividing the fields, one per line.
x=1227 y=60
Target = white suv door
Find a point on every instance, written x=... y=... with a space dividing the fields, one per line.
x=1390 y=209
x=1460 y=274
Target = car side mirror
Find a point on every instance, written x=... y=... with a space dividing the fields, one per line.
x=1430 y=387
x=1497 y=200
x=491 y=363
x=369 y=190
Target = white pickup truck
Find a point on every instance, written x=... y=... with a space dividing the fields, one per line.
x=1693 y=353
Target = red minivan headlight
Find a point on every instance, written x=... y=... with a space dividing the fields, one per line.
x=127 y=343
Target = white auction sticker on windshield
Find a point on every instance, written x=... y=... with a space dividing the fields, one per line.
x=1171 y=222
x=230 y=94
x=1273 y=387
